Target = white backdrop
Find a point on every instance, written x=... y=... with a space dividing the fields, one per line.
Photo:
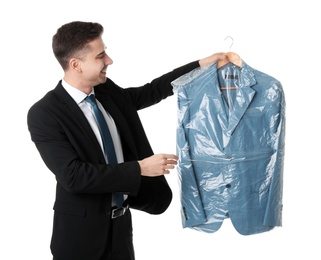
x=146 y=39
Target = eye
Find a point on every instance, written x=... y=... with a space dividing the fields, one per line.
x=101 y=55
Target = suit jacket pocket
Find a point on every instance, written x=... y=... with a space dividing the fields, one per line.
x=69 y=209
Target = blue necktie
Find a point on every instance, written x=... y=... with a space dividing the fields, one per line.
x=107 y=141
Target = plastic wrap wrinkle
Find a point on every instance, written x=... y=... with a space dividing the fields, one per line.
x=230 y=143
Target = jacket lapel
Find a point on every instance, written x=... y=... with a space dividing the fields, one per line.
x=120 y=121
x=231 y=116
x=244 y=96
x=78 y=115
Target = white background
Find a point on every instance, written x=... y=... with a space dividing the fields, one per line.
x=146 y=39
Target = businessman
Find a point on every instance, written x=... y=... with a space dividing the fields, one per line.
x=88 y=222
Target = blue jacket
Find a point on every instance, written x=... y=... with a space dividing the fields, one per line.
x=230 y=143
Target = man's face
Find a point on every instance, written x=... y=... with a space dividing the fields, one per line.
x=95 y=62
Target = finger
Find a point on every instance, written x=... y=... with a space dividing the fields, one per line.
x=169 y=163
x=170 y=166
x=170 y=156
x=166 y=171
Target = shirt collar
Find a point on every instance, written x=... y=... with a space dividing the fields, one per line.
x=76 y=94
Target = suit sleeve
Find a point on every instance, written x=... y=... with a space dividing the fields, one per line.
x=69 y=154
x=273 y=214
x=159 y=88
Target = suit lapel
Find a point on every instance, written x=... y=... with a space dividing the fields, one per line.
x=78 y=115
x=119 y=120
x=244 y=97
x=231 y=116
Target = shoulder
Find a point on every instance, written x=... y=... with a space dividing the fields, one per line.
x=51 y=101
x=109 y=89
x=108 y=86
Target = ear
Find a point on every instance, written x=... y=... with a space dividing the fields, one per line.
x=74 y=64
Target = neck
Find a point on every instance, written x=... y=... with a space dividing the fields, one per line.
x=78 y=84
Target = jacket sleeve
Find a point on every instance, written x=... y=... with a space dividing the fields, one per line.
x=70 y=154
x=273 y=213
x=159 y=88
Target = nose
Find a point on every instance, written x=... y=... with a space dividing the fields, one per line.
x=108 y=60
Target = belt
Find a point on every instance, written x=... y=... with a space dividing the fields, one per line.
x=118 y=212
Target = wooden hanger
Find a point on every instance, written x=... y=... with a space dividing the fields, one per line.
x=231 y=57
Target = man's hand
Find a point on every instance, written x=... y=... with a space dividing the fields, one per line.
x=212 y=59
x=158 y=164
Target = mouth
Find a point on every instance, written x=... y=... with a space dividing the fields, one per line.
x=104 y=70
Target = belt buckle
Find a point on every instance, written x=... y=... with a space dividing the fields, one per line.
x=118 y=212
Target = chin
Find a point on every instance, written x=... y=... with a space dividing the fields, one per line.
x=103 y=79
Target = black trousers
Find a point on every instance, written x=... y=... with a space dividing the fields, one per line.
x=119 y=245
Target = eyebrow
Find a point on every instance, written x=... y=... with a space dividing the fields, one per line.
x=103 y=52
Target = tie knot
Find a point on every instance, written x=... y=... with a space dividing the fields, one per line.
x=91 y=99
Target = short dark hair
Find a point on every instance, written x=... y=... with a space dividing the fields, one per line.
x=71 y=40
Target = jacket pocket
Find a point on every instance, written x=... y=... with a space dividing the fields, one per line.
x=69 y=209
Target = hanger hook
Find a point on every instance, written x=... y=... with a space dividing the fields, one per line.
x=231 y=42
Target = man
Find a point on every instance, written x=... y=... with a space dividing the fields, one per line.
x=63 y=126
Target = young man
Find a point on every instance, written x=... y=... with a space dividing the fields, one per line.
x=64 y=127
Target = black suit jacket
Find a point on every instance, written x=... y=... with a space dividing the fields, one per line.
x=85 y=183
